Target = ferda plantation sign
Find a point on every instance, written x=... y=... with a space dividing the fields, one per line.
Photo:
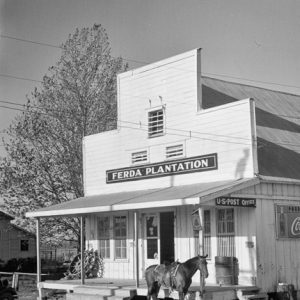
x=171 y=167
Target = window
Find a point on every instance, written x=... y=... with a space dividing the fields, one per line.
x=155 y=123
x=288 y=221
x=120 y=235
x=207 y=233
x=174 y=151
x=152 y=236
x=103 y=236
x=139 y=157
x=225 y=232
x=24 y=245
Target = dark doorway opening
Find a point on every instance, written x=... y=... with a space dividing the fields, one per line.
x=166 y=237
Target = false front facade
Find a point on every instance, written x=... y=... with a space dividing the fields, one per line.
x=195 y=166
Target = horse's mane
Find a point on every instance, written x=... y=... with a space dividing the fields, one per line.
x=190 y=262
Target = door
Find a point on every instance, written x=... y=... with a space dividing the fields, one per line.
x=151 y=249
x=159 y=238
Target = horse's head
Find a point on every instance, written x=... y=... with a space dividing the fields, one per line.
x=203 y=265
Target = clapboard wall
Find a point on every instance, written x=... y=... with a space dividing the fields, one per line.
x=227 y=130
x=10 y=241
x=278 y=260
x=117 y=268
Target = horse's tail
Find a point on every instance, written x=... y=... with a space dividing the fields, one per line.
x=151 y=280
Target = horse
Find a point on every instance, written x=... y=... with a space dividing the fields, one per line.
x=176 y=276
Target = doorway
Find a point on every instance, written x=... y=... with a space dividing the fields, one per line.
x=167 y=254
x=159 y=238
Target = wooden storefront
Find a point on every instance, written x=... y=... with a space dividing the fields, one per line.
x=196 y=165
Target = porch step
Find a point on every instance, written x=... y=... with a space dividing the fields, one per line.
x=101 y=293
x=259 y=296
x=251 y=294
x=79 y=296
x=247 y=291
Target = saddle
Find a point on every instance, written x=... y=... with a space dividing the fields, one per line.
x=166 y=274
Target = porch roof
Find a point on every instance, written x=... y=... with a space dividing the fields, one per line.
x=162 y=197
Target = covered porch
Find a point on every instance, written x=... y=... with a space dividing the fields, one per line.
x=114 y=289
x=195 y=196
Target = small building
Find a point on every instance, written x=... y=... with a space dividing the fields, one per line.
x=15 y=242
x=196 y=165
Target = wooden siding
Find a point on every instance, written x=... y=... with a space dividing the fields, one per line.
x=225 y=130
x=278 y=260
x=10 y=241
x=184 y=242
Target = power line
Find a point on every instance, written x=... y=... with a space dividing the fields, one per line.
x=144 y=63
x=29 y=41
x=19 y=78
x=22 y=110
x=31 y=106
x=189 y=134
x=124 y=121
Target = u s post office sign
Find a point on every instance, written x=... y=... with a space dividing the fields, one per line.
x=235 y=201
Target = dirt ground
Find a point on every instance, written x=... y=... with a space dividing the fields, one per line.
x=29 y=292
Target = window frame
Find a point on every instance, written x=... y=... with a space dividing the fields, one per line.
x=122 y=238
x=207 y=222
x=226 y=243
x=26 y=245
x=107 y=239
x=156 y=133
x=226 y=222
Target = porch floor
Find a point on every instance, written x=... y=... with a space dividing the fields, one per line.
x=212 y=291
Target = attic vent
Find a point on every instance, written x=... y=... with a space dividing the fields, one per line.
x=174 y=151
x=139 y=157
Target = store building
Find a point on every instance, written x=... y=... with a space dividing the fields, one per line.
x=196 y=165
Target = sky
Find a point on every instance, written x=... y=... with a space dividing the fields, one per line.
x=255 y=42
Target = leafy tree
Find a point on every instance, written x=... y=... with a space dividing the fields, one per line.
x=77 y=97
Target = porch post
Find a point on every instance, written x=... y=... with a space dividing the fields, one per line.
x=136 y=241
x=82 y=248
x=38 y=253
x=201 y=242
x=201 y=231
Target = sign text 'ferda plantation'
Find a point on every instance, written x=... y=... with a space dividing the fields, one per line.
x=172 y=167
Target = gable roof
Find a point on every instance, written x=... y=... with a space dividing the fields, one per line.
x=277 y=123
x=6 y=215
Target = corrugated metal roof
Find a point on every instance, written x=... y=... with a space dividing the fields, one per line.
x=277 y=120
x=165 y=197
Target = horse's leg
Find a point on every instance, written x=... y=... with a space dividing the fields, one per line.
x=153 y=291
x=157 y=288
x=181 y=295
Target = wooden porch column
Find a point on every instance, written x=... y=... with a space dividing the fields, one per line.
x=201 y=231
x=82 y=248
x=201 y=242
x=136 y=242
x=38 y=251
